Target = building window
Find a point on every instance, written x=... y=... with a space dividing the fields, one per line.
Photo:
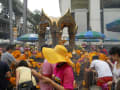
x=111 y=3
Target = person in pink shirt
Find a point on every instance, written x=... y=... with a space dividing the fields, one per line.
x=63 y=77
x=46 y=70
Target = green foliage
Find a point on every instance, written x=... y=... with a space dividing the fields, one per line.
x=36 y=17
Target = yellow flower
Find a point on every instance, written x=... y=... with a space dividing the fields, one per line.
x=78 y=68
x=37 y=86
x=34 y=64
x=16 y=53
x=102 y=56
x=83 y=83
x=39 y=55
x=13 y=80
x=31 y=60
x=78 y=52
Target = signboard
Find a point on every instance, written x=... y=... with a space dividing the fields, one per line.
x=15 y=33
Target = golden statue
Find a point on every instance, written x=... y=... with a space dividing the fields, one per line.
x=56 y=28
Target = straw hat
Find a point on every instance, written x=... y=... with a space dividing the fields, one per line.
x=57 y=55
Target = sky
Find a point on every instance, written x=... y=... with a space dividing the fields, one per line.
x=50 y=7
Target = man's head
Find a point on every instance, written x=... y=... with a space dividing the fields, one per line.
x=95 y=57
x=10 y=48
x=115 y=53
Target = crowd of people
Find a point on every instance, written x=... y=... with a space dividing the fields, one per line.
x=28 y=68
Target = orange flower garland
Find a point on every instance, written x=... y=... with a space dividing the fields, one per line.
x=78 y=52
x=78 y=65
x=39 y=55
x=102 y=56
x=16 y=53
x=13 y=81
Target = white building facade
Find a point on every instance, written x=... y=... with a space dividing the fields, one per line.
x=90 y=15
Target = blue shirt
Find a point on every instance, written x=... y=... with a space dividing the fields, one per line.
x=7 y=58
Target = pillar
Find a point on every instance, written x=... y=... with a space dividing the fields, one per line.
x=95 y=18
x=25 y=17
x=11 y=22
x=63 y=6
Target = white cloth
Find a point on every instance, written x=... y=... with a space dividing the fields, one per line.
x=116 y=72
x=102 y=68
x=25 y=75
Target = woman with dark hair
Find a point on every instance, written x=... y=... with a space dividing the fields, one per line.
x=23 y=63
x=46 y=70
x=24 y=77
x=115 y=54
x=62 y=78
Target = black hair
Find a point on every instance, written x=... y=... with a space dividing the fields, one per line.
x=95 y=57
x=23 y=63
x=114 y=50
x=10 y=47
x=61 y=64
x=44 y=46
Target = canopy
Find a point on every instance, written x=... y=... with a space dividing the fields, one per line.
x=28 y=37
x=111 y=40
x=114 y=26
x=91 y=40
x=90 y=35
